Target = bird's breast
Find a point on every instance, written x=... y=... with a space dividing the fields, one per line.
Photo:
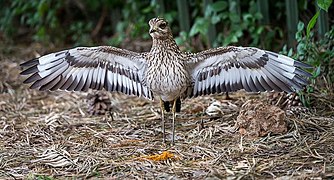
x=167 y=78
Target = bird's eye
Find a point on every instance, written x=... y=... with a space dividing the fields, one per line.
x=163 y=25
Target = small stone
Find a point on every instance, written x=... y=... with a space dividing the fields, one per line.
x=99 y=104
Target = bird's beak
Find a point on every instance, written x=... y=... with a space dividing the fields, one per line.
x=153 y=29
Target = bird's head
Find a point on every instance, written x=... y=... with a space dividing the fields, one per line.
x=159 y=28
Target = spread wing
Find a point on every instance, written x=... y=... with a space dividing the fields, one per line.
x=232 y=68
x=81 y=68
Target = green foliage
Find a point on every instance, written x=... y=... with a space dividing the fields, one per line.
x=74 y=21
x=324 y=4
x=96 y=174
x=235 y=26
x=88 y=22
x=183 y=40
x=311 y=24
x=133 y=25
x=135 y=16
x=39 y=177
x=319 y=54
x=44 y=178
x=36 y=14
x=79 y=32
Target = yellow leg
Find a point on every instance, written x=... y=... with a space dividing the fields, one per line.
x=163 y=120
x=173 y=123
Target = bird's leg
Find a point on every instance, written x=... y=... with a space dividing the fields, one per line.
x=173 y=123
x=162 y=120
x=227 y=97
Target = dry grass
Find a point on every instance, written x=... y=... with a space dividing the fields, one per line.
x=50 y=135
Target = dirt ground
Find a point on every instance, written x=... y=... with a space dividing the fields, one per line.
x=51 y=135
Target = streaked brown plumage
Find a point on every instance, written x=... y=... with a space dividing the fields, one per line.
x=165 y=71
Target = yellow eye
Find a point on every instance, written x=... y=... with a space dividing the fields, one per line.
x=162 y=26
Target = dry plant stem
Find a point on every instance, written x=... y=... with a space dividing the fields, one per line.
x=163 y=121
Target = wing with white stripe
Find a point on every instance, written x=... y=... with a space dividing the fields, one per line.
x=83 y=68
x=227 y=69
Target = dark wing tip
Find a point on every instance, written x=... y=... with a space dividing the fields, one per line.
x=30 y=70
x=302 y=65
x=32 y=78
x=29 y=63
x=303 y=72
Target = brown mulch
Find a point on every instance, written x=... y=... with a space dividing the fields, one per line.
x=51 y=135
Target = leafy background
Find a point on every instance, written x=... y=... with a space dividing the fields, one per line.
x=83 y=22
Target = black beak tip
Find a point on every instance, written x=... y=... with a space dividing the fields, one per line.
x=152 y=31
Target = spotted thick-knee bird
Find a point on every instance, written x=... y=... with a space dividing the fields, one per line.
x=165 y=71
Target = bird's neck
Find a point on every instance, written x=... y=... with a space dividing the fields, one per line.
x=164 y=44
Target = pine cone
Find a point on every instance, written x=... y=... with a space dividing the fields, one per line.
x=99 y=104
x=284 y=101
